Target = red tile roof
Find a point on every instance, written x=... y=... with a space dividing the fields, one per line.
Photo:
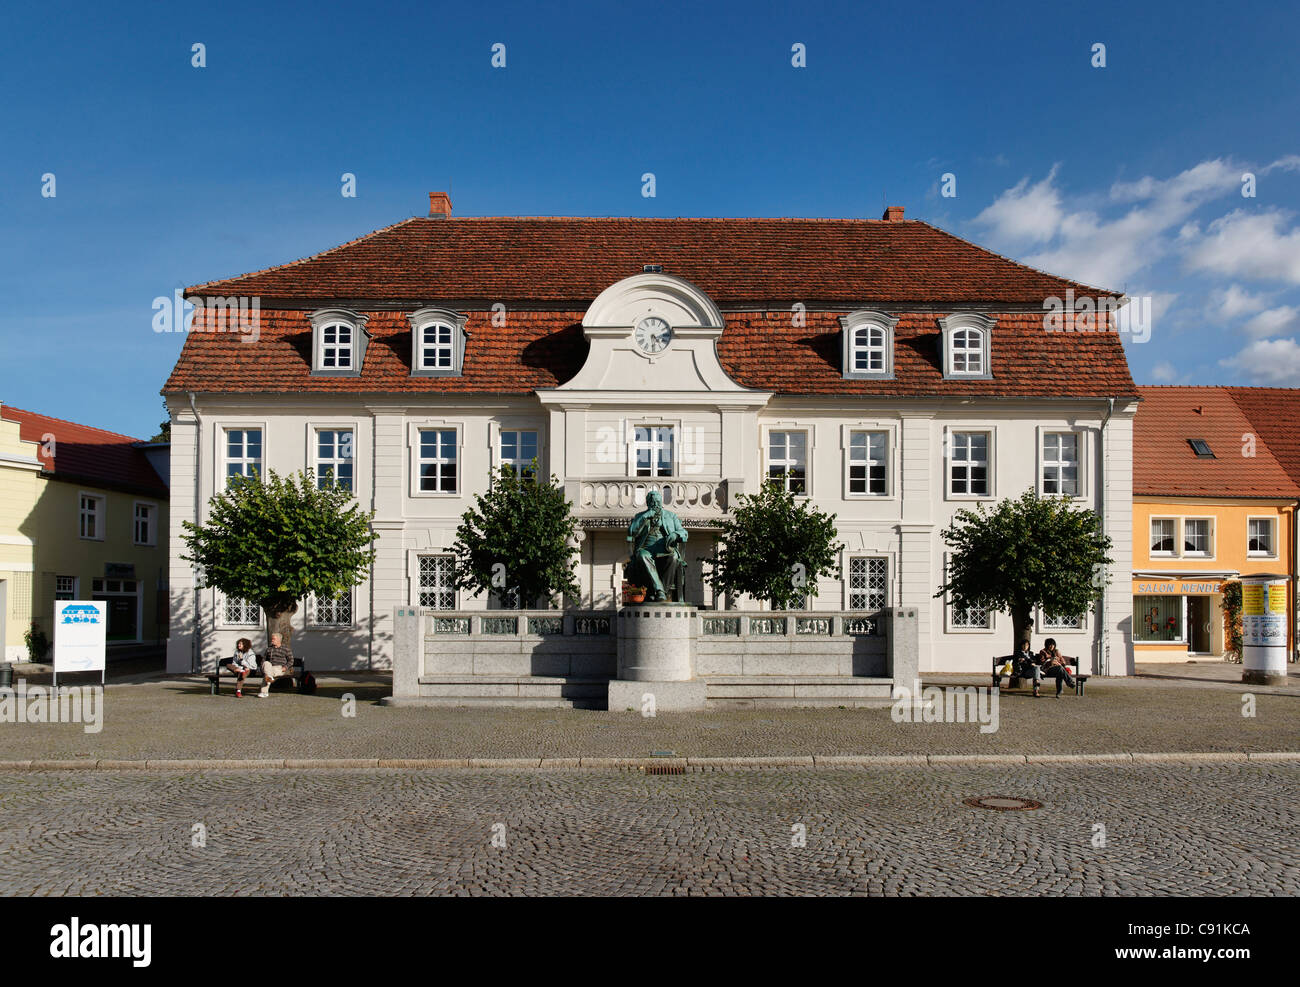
x=759 y=350
x=563 y=259
x=84 y=454
x=549 y=270
x=1165 y=465
x=1274 y=414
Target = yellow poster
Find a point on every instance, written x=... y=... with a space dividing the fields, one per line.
x=1277 y=599
x=1252 y=600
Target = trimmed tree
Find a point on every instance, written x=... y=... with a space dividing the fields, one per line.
x=774 y=548
x=1026 y=552
x=274 y=540
x=516 y=541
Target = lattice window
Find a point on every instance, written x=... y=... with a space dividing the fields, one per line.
x=65 y=587
x=437 y=588
x=968 y=617
x=336 y=612
x=242 y=613
x=868 y=583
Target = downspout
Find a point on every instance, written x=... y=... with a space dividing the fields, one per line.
x=374 y=456
x=1100 y=664
x=196 y=637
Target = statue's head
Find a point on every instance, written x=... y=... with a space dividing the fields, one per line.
x=654 y=500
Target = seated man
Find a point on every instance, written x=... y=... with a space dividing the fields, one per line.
x=1056 y=665
x=277 y=663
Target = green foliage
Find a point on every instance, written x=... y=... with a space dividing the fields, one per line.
x=515 y=542
x=1026 y=552
x=273 y=541
x=38 y=645
x=775 y=547
x=1232 y=616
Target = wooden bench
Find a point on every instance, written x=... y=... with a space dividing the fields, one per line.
x=295 y=674
x=1013 y=680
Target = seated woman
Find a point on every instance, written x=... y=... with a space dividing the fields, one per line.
x=240 y=664
x=1056 y=665
x=1025 y=665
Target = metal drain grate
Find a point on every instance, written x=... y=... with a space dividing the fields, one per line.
x=1002 y=803
x=665 y=769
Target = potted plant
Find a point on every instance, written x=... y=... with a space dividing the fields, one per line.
x=633 y=593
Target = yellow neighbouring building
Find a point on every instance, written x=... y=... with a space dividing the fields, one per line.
x=83 y=515
x=1211 y=503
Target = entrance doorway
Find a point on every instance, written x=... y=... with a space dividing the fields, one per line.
x=123 y=599
x=1198 y=625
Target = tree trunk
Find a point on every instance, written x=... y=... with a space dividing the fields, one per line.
x=279 y=620
x=1021 y=626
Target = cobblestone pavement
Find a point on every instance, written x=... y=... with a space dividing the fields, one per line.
x=1168 y=830
x=177 y=718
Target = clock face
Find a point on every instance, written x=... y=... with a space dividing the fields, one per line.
x=653 y=334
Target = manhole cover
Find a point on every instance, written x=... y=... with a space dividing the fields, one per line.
x=1001 y=803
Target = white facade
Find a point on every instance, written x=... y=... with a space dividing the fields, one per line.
x=721 y=441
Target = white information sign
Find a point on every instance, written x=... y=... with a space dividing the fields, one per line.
x=80 y=629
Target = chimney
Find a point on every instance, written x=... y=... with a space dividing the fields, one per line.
x=893 y=214
x=439 y=205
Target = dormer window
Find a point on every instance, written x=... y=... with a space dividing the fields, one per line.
x=437 y=343
x=339 y=340
x=868 y=345
x=966 y=346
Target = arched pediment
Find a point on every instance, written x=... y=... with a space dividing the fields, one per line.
x=626 y=302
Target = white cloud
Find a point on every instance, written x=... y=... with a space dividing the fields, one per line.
x=1164 y=372
x=1273 y=322
x=1235 y=301
x=1025 y=213
x=1249 y=245
x=1268 y=361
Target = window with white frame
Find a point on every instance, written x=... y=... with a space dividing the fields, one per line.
x=437 y=346
x=334 y=458
x=1051 y=622
x=243 y=453
x=65 y=587
x=967 y=345
x=437 y=343
x=336 y=612
x=970 y=618
x=336 y=346
x=242 y=613
x=437 y=588
x=967 y=352
x=787 y=460
x=144 y=524
x=437 y=460
x=1164 y=535
x=519 y=450
x=1259 y=537
x=1061 y=464
x=92 y=517
x=868 y=583
x=652 y=450
x=868 y=345
x=968 y=464
x=869 y=463
x=869 y=349
x=1198 y=536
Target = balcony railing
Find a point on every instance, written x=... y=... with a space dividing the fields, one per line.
x=693 y=497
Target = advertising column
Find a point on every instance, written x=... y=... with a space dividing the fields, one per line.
x=1263 y=627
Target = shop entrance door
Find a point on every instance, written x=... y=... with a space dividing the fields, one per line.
x=1198 y=624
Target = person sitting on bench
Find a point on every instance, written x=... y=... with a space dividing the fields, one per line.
x=277 y=663
x=240 y=664
x=1056 y=665
x=1025 y=665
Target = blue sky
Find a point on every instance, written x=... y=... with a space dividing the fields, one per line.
x=1127 y=176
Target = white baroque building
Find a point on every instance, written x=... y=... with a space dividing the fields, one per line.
x=891 y=372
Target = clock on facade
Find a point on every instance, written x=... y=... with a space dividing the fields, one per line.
x=653 y=334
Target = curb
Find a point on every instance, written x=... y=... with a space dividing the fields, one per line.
x=641 y=763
